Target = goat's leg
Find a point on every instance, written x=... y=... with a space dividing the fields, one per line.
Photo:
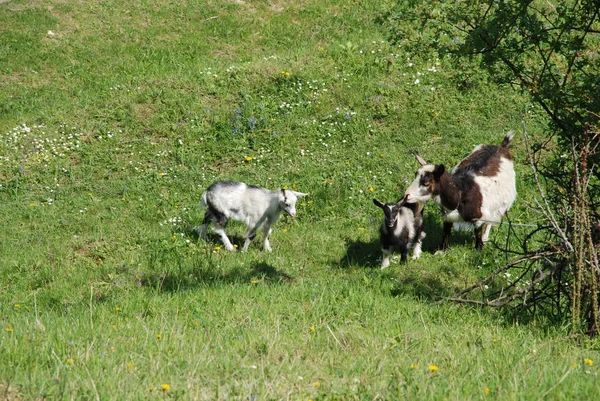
x=201 y=230
x=250 y=235
x=219 y=229
x=403 y=255
x=385 y=262
x=481 y=232
x=486 y=233
x=418 y=245
x=267 y=231
x=446 y=237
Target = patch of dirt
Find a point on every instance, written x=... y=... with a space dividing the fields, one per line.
x=10 y=393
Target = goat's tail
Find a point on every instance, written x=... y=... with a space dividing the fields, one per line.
x=203 y=201
x=507 y=138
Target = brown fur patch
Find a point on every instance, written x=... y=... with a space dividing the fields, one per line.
x=484 y=161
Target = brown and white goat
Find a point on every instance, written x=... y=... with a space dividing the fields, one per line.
x=401 y=227
x=478 y=191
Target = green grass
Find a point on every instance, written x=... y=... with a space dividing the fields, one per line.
x=114 y=118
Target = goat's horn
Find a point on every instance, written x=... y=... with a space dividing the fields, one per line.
x=421 y=160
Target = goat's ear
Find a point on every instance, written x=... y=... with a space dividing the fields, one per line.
x=439 y=170
x=299 y=194
x=421 y=161
x=377 y=203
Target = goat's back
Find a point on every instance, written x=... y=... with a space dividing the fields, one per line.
x=491 y=168
x=237 y=200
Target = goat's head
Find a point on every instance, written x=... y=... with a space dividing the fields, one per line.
x=287 y=201
x=426 y=183
x=390 y=210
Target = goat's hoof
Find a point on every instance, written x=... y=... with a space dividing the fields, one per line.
x=415 y=257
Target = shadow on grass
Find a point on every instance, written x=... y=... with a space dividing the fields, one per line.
x=421 y=287
x=213 y=275
x=361 y=254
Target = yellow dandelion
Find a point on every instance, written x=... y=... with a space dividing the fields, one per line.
x=130 y=365
x=159 y=336
x=412 y=366
x=312 y=329
x=123 y=199
x=494 y=340
x=9 y=329
x=17 y=306
x=285 y=230
x=433 y=368
x=235 y=245
x=217 y=248
x=588 y=361
x=309 y=202
x=486 y=390
x=316 y=384
x=117 y=309
x=32 y=204
x=254 y=281
x=89 y=194
x=371 y=189
x=248 y=158
x=70 y=361
x=165 y=387
x=174 y=237
x=361 y=229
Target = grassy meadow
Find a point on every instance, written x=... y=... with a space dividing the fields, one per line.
x=114 y=118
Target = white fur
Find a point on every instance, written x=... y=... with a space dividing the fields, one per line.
x=498 y=192
x=253 y=206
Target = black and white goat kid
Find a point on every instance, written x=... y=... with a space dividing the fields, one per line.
x=402 y=227
x=479 y=191
x=252 y=205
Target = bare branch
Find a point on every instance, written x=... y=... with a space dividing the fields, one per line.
x=547 y=209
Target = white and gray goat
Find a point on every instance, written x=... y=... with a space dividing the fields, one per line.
x=402 y=227
x=479 y=191
x=250 y=204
